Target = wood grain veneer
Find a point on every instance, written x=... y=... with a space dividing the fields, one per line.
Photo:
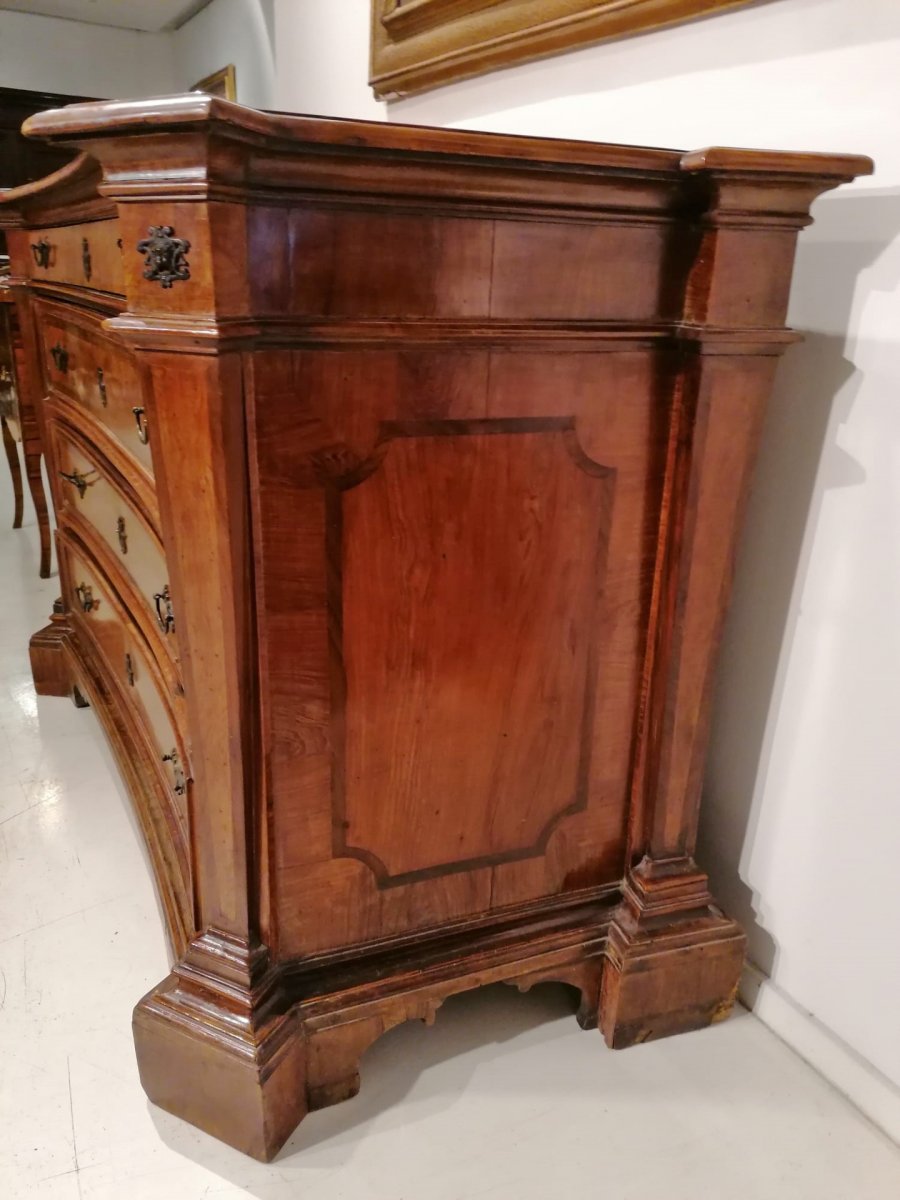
x=449 y=440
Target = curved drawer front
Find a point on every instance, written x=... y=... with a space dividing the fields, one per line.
x=87 y=256
x=87 y=489
x=91 y=368
x=93 y=600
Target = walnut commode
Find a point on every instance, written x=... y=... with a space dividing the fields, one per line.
x=398 y=474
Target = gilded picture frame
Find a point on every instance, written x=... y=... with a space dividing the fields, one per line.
x=421 y=44
x=222 y=83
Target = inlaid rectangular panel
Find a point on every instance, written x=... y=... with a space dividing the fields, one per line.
x=450 y=659
x=471 y=559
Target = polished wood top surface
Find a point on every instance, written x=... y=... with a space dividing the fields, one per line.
x=288 y=131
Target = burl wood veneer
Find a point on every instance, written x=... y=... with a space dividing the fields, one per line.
x=399 y=473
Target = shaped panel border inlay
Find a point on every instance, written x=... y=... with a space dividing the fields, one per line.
x=389 y=431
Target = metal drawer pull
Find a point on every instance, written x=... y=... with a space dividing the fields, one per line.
x=164 y=615
x=86 y=258
x=180 y=786
x=129 y=670
x=78 y=481
x=122 y=535
x=85 y=597
x=41 y=251
x=141 y=421
x=60 y=356
x=101 y=386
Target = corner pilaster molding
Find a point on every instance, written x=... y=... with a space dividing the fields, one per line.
x=218 y=1042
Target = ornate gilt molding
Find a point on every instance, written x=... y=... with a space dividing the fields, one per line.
x=420 y=44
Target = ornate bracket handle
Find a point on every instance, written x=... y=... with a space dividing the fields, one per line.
x=60 y=356
x=129 y=670
x=143 y=431
x=165 y=617
x=41 y=251
x=86 y=258
x=179 y=787
x=164 y=255
x=77 y=481
x=101 y=387
x=85 y=597
x=122 y=535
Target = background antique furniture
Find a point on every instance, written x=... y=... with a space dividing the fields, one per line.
x=398 y=475
x=19 y=422
x=8 y=398
x=418 y=44
x=21 y=161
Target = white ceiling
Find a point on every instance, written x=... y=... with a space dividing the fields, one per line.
x=149 y=15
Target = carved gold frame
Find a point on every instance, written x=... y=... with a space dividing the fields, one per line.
x=419 y=44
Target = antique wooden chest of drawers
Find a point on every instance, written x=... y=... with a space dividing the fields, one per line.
x=398 y=474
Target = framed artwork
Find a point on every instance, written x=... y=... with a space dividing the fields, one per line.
x=222 y=83
x=419 y=44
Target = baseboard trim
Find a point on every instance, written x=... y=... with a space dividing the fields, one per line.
x=864 y=1086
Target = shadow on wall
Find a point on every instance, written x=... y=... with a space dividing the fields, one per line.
x=799 y=463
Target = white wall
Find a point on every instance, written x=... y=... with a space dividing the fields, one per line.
x=96 y=60
x=48 y=54
x=230 y=31
x=801 y=828
x=322 y=58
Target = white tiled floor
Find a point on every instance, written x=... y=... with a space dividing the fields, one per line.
x=504 y=1097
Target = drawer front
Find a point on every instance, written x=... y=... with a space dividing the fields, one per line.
x=86 y=256
x=100 y=375
x=93 y=600
x=86 y=488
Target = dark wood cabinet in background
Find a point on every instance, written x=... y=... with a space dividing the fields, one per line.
x=22 y=161
x=399 y=473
